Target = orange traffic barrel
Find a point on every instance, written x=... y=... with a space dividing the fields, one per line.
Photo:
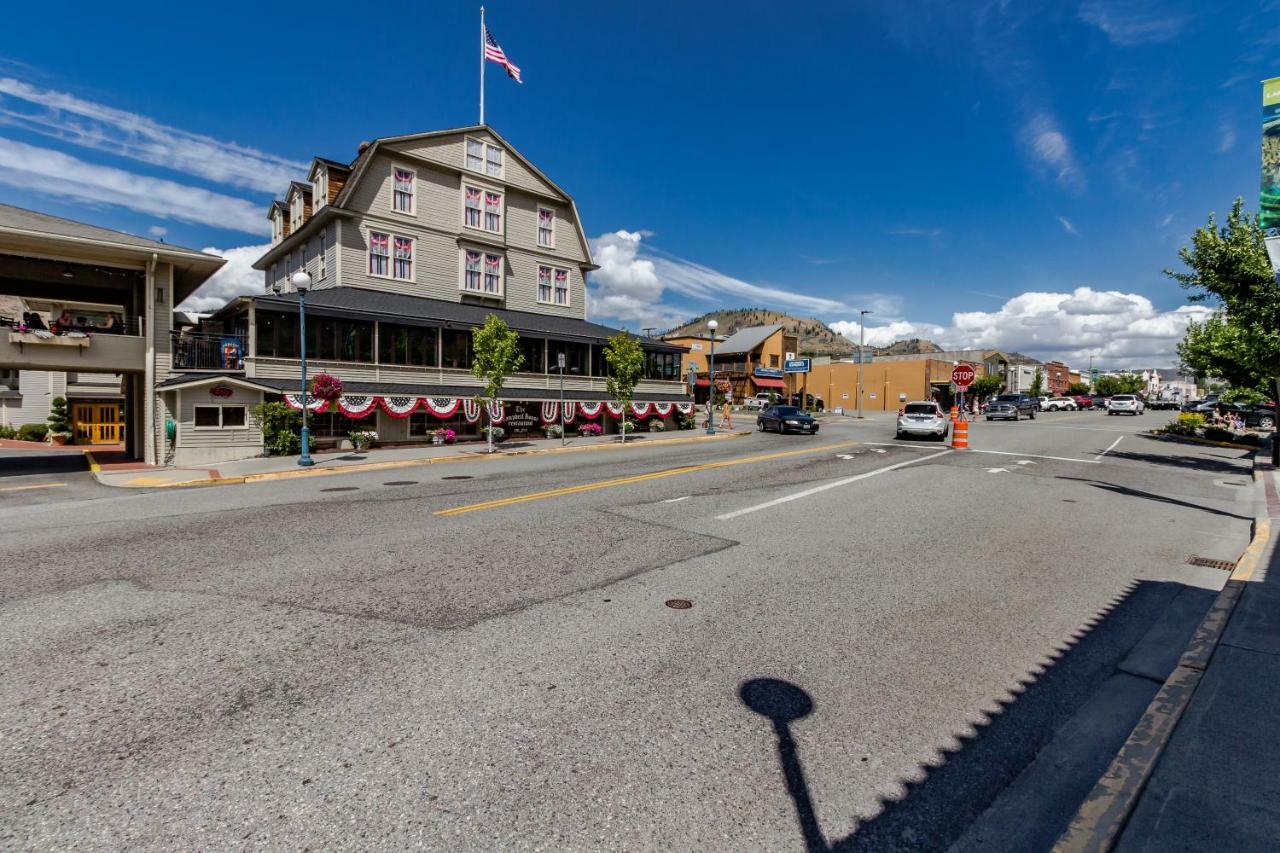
x=955 y=413
x=960 y=435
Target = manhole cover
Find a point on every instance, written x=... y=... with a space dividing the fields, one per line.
x=1224 y=565
x=401 y=483
x=342 y=489
x=679 y=603
x=457 y=477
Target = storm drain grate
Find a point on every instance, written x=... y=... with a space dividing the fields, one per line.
x=679 y=603
x=1225 y=565
x=457 y=477
x=342 y=489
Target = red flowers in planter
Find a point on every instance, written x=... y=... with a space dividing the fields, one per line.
x=326 y=387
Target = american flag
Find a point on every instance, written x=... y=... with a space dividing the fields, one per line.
x=493 y=53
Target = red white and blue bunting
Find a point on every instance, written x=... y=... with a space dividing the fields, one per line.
x=294 y=401
x=662 y=409
x=357 y=406
x=684 y=408
x=641 y=410
x=399 y=407
x=471 y=411
x=441 y=407
x=590 y=411
x=550 y=411
x=568 y=413
x=497 y=412
x=614 y=409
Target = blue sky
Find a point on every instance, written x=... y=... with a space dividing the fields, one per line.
x=993 y=174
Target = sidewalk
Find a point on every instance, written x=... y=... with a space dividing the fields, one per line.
x=258 y=469
x=1201 y=771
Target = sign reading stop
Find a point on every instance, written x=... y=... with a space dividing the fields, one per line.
x=962 y=376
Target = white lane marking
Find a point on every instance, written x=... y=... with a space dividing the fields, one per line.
x=1111 y=448
x=676 y=500
x=844 y=455
x=997 y=470
x=1025 y=462
x=826 y=486
x=1037 y=456
x=905 y=445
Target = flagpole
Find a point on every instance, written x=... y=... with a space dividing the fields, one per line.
x=482 y=65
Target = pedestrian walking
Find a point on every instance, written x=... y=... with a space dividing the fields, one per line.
x=726 y=416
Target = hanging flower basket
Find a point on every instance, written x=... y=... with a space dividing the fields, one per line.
x=326 y=387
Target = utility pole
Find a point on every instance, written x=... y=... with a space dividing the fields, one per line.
x=862 y=353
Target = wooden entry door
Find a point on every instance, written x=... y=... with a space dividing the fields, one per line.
x=97 y=423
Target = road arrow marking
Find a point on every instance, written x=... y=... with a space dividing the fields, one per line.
x=878 y=450
x=844 y=455
x=1025 y=462
x=997 y=470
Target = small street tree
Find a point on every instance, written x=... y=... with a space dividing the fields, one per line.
x=59 y=420
x=1125 y=383
x=1077 y=388
x=1037 y=384
x=984 y=386
x=497 y=356
x=625 y=358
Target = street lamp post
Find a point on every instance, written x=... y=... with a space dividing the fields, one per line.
x=711 y=381
x=302 y=283
x=862 y=353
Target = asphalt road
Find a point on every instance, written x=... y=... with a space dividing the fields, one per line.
x=28 y=477
x=882 y=636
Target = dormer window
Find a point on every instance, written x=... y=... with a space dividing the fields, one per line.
x=321 y=194
x=296 y=211
x=402 y=190
x=484 y=157
x=277 y=226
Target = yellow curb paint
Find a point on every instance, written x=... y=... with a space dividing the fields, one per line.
x=639 y=478
x=94 y=467
x=29 y=488
x=147 y=481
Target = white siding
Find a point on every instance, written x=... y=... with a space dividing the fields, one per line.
x=211 y=445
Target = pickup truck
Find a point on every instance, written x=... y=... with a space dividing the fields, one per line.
x=759 y=401
x=1012 y=407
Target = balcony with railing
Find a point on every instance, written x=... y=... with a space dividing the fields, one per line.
x=33 y=342
x=195 y=352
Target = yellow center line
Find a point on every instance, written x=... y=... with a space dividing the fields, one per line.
x=28 y=488
x=637 y=478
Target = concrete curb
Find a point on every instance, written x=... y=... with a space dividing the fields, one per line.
x=408 y=463
x=1099 y=821
x=1204 y=442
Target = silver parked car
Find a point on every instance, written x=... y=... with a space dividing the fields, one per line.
x=922 y=418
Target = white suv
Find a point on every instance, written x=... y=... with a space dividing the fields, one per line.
x=1129 y=404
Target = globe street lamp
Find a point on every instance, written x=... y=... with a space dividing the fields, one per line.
x=302 y=283
x=711 y=381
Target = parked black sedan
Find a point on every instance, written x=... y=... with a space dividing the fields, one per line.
x=786 y=419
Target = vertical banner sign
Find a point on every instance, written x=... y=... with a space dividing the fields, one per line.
x=1270 y=206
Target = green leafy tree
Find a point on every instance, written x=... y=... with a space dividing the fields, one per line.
x=497 y=356
x=59 y=420
x=1077 y=388
x=1037 y=384
x=625 y=358
x=1125 y=383
x=984 y=386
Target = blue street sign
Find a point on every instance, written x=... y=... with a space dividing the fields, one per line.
x=796 y=365
x=768 y=373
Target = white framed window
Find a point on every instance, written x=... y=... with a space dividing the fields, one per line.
x=403 y=185
x=296 y=210
x=321 y=191
x=219 y=417
x=546 y=227
x=379 y=254
x=473 y=207
x=482 y=273
x=493 y=212
x=321 y=260
x=553 y=285
x=277 y=226
x=402 y=258
x=271 y=282
x=484 y=157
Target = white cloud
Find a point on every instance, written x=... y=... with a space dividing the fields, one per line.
x=1067 y=226
x=158 y=231
x=1132 y=22
x=1226 y=137
x=915 y=232
x=1050 y=146
x=54 y=173
x=90 y=125
x=236 y=278
x=1118 y=329
x=634 y=278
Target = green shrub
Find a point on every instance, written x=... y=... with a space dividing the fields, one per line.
x=687 y=422
x=1186 y=424
x=498 y=433
x=8 y=432
x=59 y=420
x=281 y=428
x=33 y=432
x=656 y=425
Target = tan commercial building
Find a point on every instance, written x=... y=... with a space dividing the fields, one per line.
x=887 y=383
x=750 y=360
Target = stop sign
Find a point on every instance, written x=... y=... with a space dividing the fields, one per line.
x=962 y=376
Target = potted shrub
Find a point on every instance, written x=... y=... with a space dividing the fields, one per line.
x=553 y=430
x=450 y=436
x=589 y=429
x=657 y=426
x=628 y=427
x=59 y=421
x=362 y=439
x=494 y=433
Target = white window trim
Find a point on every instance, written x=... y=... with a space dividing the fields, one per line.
x=502 y=209
x=484 y=161
x=321 y=266
x=568 y=290
x=391 y=255
x=320 y=191
x=413 y=197
x=220 y=425
x=538 y=225
x=296 y=219
x=502 y=272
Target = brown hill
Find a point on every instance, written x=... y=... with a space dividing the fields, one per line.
x=914 y=346
x=816 y=337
